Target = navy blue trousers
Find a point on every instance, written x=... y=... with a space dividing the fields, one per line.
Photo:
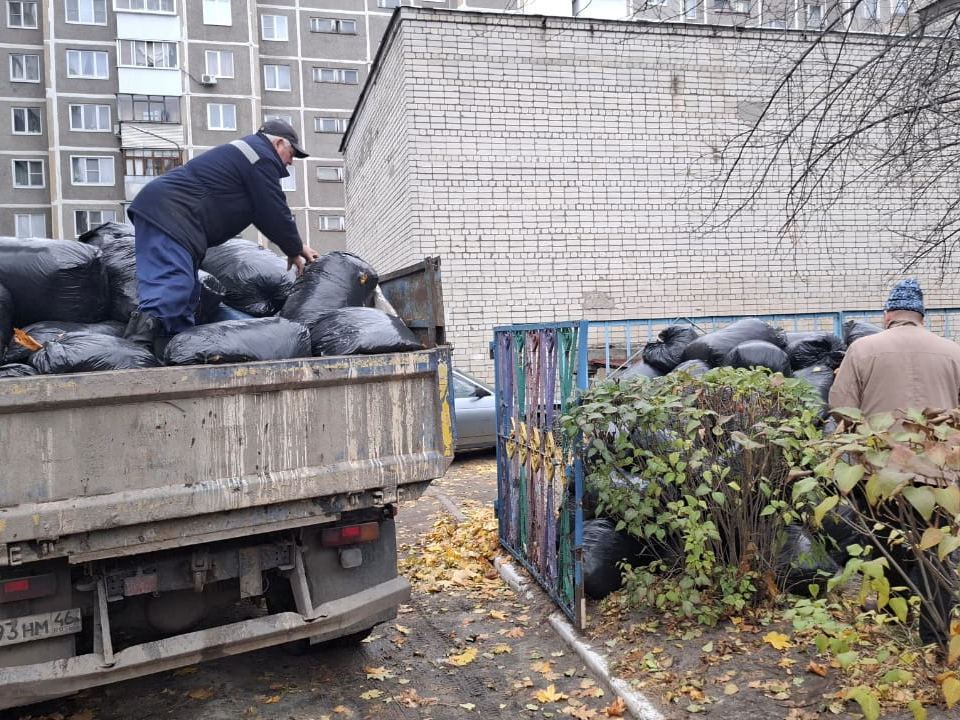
x=166 y=278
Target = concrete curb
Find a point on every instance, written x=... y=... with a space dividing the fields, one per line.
x=637 y=705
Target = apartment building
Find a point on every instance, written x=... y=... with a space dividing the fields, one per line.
x=101 y=96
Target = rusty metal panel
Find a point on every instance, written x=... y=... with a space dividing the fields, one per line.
x=416 y=295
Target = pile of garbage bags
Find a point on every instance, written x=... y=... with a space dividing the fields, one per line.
x=811 y=356
x=64 y=306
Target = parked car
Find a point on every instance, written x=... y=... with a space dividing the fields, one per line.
x=475 y=413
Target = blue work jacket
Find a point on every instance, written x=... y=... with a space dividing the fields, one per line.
x=216 y=195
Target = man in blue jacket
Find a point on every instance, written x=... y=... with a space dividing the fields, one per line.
x=201 y=204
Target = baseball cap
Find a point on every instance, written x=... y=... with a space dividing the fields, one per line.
x=282 y=129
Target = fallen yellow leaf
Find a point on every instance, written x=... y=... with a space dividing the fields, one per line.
x=498 y=615
x=181 y=672
x=464 y=658
x=501 y=649
x=777 y=640
x=371 y=694
x=550 y=694
x=201 y=694
x=730 y=689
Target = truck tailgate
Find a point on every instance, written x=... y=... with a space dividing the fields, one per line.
x=98 y=461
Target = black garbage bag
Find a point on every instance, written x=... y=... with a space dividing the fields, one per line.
x=856 y=329
x=815 y=348
x=13 y=370
x=233 y=341
x=82 y=351
x=713 y=347
x=640 y=369
x=820 y=376
x=106 y=232
x=802 y=561
x=47 y=330
x=6 y=321
x=211 y=295
x=119 y=251
x=338 y=279
x=758 y=353
x=255 y=280
x=666 y=352
x=603 y=548
x=54 y=280
x=361 y=331
x=693 y=367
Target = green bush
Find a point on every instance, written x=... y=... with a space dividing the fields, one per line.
x=700 y=469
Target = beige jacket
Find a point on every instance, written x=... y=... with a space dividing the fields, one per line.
x=904 y=367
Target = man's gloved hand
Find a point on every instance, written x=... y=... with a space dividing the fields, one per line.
x=306 y=256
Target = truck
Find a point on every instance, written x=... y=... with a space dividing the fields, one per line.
x=154 y=518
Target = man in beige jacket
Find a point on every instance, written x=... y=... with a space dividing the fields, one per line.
x=903 y=368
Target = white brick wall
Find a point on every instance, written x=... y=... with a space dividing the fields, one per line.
x=564 y=168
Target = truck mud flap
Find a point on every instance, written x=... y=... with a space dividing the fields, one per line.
x=28 y=684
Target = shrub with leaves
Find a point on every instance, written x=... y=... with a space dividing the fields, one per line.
x=899 y=484
x=699 y=468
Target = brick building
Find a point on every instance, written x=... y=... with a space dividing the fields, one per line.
x=569 y=168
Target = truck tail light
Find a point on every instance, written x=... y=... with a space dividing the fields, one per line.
x=349 y=534
x=27 y=588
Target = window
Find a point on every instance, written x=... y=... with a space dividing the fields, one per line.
x=276 y=77
x=336 y=75
x=148 y=53
x=87 y=12
x=157 y=6
x=217 y=12
x=90 y=117
x=26 y=121
x=901 y=7
x=84 y=220
x=219 y=63
x=332 y=25
x=274 y=27
x=30 y=225
x=21 y=14
x=388 y=3
x=289 y=183
x=288 y=119
x=691 y=9
x=148 y=108
x=330 y=124
x=221 y=117
x=87 y=64
x=332 y=223
x=24 y=68
x=28 y=174
x=330 y=173
x=150 y=162
x=871 y=9
x=814 y=15
x=92 y=170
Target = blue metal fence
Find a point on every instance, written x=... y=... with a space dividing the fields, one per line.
x=539 y=370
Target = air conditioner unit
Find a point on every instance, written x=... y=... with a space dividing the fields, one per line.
x=208 y=79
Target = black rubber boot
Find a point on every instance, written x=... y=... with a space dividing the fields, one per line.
x=142 y=329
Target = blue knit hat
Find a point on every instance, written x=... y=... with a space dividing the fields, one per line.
x=906 y=295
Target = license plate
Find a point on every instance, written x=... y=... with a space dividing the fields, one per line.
x=37 y=627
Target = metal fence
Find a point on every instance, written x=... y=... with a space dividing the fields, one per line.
x=539 y=371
